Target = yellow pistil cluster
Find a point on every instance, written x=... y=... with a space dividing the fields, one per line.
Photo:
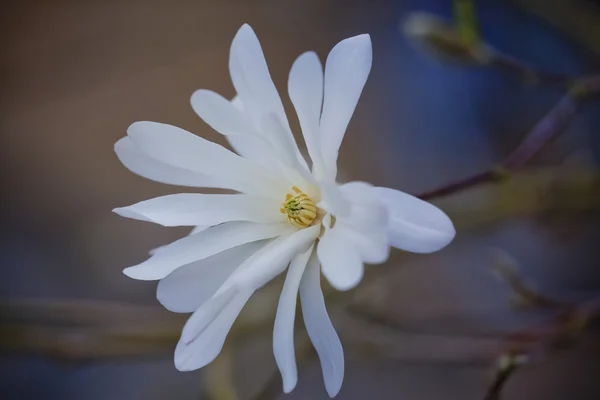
x=299 y=208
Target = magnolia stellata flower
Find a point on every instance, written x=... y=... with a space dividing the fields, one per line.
x=284 y=215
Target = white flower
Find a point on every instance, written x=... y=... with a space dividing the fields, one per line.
x=285 y=214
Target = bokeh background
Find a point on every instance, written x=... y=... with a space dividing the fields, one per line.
x=75 y=74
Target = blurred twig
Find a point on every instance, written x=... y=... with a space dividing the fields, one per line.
x=551 y=125
x=465 y=18
x=460 y=43
x=535 y=343
x=578 y=19
x=505 y=268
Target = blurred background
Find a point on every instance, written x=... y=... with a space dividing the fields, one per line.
x=76 y=74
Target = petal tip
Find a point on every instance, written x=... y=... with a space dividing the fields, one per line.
x=137 y=273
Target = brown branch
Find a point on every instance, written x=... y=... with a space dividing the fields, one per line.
x=551 y=125
x=536 y=343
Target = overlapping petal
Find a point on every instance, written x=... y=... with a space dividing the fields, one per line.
x=346 y=71
x=150 y=168
x=176 y=147
x=205 y=331
x=415 y=225
x=254 y=86
x=320 y=330
x=193 y=209
x=203 y=245
x=272 y=259
x=283 y=331
x=342 y=263
x=305 y=87
x=188 y=287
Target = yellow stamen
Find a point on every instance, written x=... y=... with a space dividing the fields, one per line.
x=299 y=209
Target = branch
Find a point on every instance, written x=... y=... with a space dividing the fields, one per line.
x=465 y=17
x=551 y=125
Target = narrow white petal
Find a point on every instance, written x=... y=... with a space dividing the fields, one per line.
x=196 y=229
x=415 y=225
x=205 y=331
x=253 y=84
x=219 y=113
x=203 y=245
x=251 y=77
x=305 y=87
x=283 y=331
x=191 y=209
x=187 y=288
x=275 y=133
x=271 y=260
x=181 y=149
x=150 y=168
x=346 y=71
x=319 y=328
x=341 y=262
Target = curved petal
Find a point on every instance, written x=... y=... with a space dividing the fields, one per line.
x=253 y=84
x=143 y=165
x=319 y=328
x=251 y=78
x=346 y=71
x=205 y=331
x=333 y=199
x=196 y=229
x=203 y=245
x=372 y=247
x=219 y=113
x=341 y=262
x=414 y=224
x=187 y=288
x=305 y=87
x=283 y=331
x=191 y=209
x=181 y=149
x=271 y=260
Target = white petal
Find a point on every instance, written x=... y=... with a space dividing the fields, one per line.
x=283 y=331
x=251 y=77
x=368 y=213
x=305 y=87
x=415 y=225
x=346 y=71
x=205 y=331
x=150 y=168
x=275 y=133
x=271 y=260
x=188 y=287
x=219 y=113
x=319 y=328
x=179 y=148
x=196 y=229
x=372 y=247
x=191 y=209
x=203 y=245
x=333 y=199
x=342 y=264
x=253 y=84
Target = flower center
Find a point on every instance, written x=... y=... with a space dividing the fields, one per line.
x=299 y=208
